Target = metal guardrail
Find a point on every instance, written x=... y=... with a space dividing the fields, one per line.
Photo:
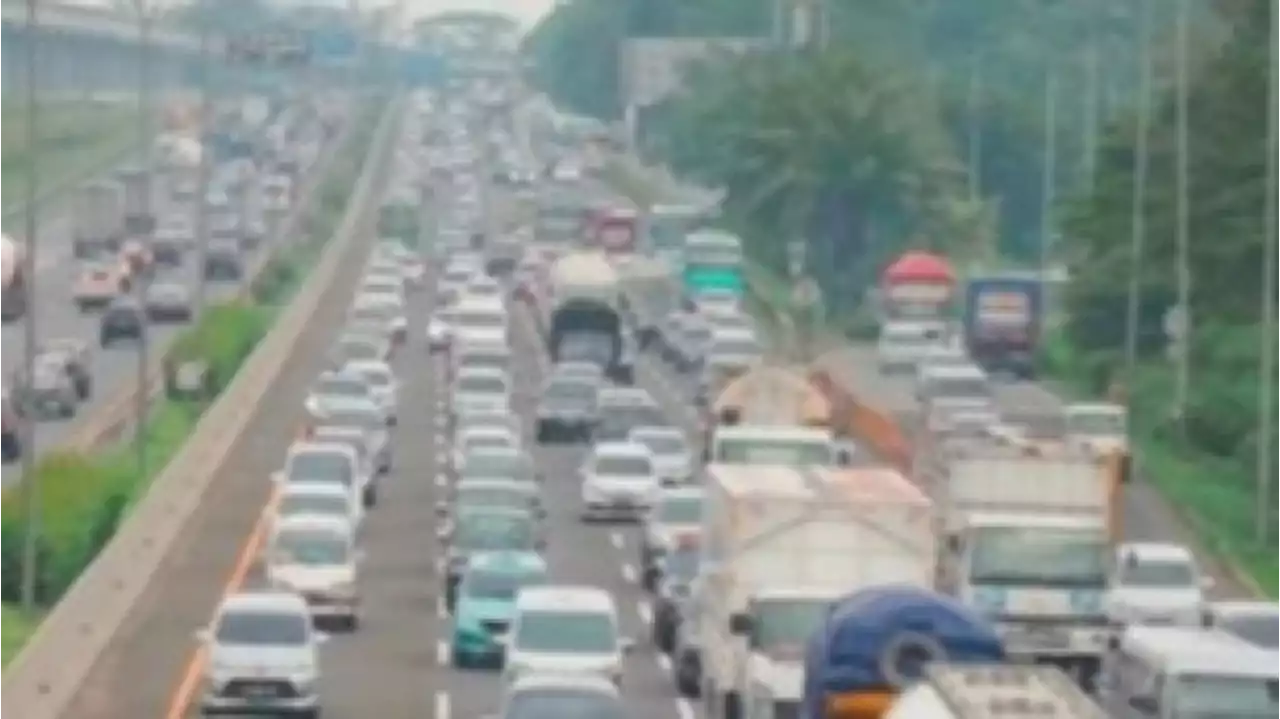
x=44 y=679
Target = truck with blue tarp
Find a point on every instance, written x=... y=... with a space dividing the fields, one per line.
x=876 y=642
x=1003 y=320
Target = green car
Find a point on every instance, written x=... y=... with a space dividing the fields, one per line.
x=487 y=601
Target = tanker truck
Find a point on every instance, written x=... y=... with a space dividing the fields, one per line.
x=790 y=542
x=876 y=643
x=582 y=319
x=13 y=302
x=772 y=415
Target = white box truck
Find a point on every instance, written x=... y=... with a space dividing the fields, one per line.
x=780 y=545
x=1028 y=542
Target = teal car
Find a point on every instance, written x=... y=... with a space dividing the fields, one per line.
x=487 y=602
x=485 y=529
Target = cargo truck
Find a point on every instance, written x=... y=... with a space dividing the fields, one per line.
x=780 y=545
x=97 y=219
x=1030 y=531
x=875 y=643
x=582 y=319
x=976 y=691
x=1002 y=322
x=772 y=415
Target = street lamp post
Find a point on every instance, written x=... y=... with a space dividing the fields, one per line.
x=143 y=224
x=31 y=227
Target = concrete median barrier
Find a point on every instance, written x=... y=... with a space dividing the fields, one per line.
x=43 y=680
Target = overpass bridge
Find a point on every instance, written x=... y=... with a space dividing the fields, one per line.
x=83 y=48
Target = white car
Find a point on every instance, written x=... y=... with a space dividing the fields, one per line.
x=316 y=556
x=258 y=644
x=382 y=309
x=336 y=389
x=1157 y=583
x=618 y=481
x=902 y=345
x=383 y=385
x=672 y=457
x=335 y=465
x=478 y=321
x=1256 y=622
x=317 y=499
x=565 y=630
x=561 y=695
x=473 y=439
x=439 y=335
x=502 y=420
x=481 y=389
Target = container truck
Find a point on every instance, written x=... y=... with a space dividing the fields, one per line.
x=1030 y=531
x=97 y=219
x=582 y=319
x=780 y=545
x=1002 y=322
x=977 y=691
x=772 y=415
x=875 y=643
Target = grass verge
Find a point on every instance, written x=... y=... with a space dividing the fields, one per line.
x=85 y=497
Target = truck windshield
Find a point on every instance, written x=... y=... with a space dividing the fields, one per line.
x=759 y=450
x=1210 y=697
x=1039 y=556
x=1096 y=424
x=786 y=624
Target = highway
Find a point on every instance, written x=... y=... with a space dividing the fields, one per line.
x=57 y=317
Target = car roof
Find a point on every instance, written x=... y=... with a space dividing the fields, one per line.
x=631 y=396
x=487 y=430
x=263 y=600
x=508 y=561
x=314 y=489
x=681 y=492
x=505 y=512
x=620 y=449
x=514 y=485
x=655 y=430
x=1155 y=552
x=366 y=365
x=565 y=598
x=482 y=372
x=309 y=521
x=1195 y=650
x=1244 y=608
x=304 y=447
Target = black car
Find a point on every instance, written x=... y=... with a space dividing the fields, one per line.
x=223 y=261
x=124 y=319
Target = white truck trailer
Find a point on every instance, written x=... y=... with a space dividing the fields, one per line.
x=780 y=545
x=1028 y=542
x=993 y=692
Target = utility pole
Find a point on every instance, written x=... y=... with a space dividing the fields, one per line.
x=1183 y=238
x=1048 y=184
x=976 y=91
x=144 y=225
x=31 y=227
x=1138 y=217
x=206 y=165
x=1092 y=101
x=1267 y=369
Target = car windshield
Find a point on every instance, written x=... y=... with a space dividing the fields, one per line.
x=623 y=465
x=484 y=361
x=570 y=391
x=369 y=418
x=618 y=422
x=496 y=586
x=787 y=624
x=359 y=349
x=566 y=632
x=310 y=546
x=507 y=465
x=377 y=376
x=1158 y=573
x=481 y=384
x=317 y=466
x=342 y=387
x=680 y=510
x=663 y=444
x=262 y=628
x=1043 y=557
x=479 y=320
x=564 y=704
x=326 y=504
x=1223 y=697
x=500 y=497
x=476 y=440
x=493 y=532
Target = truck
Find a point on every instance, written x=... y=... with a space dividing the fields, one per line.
x=781 y=545
x=97 y=219
x=978 y=691
x=1030 y=530
x=875 y=643
x=917 y=286
x=1002 y=318
x=772 y=415
x=582 y=318
x=13 y=301
x=650 y=292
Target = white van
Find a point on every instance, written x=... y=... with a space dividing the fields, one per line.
x=1187 y=673
x=316 y=556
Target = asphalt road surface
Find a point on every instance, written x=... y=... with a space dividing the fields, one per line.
x=57 y=317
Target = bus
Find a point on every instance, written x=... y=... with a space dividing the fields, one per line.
x=712 y=261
